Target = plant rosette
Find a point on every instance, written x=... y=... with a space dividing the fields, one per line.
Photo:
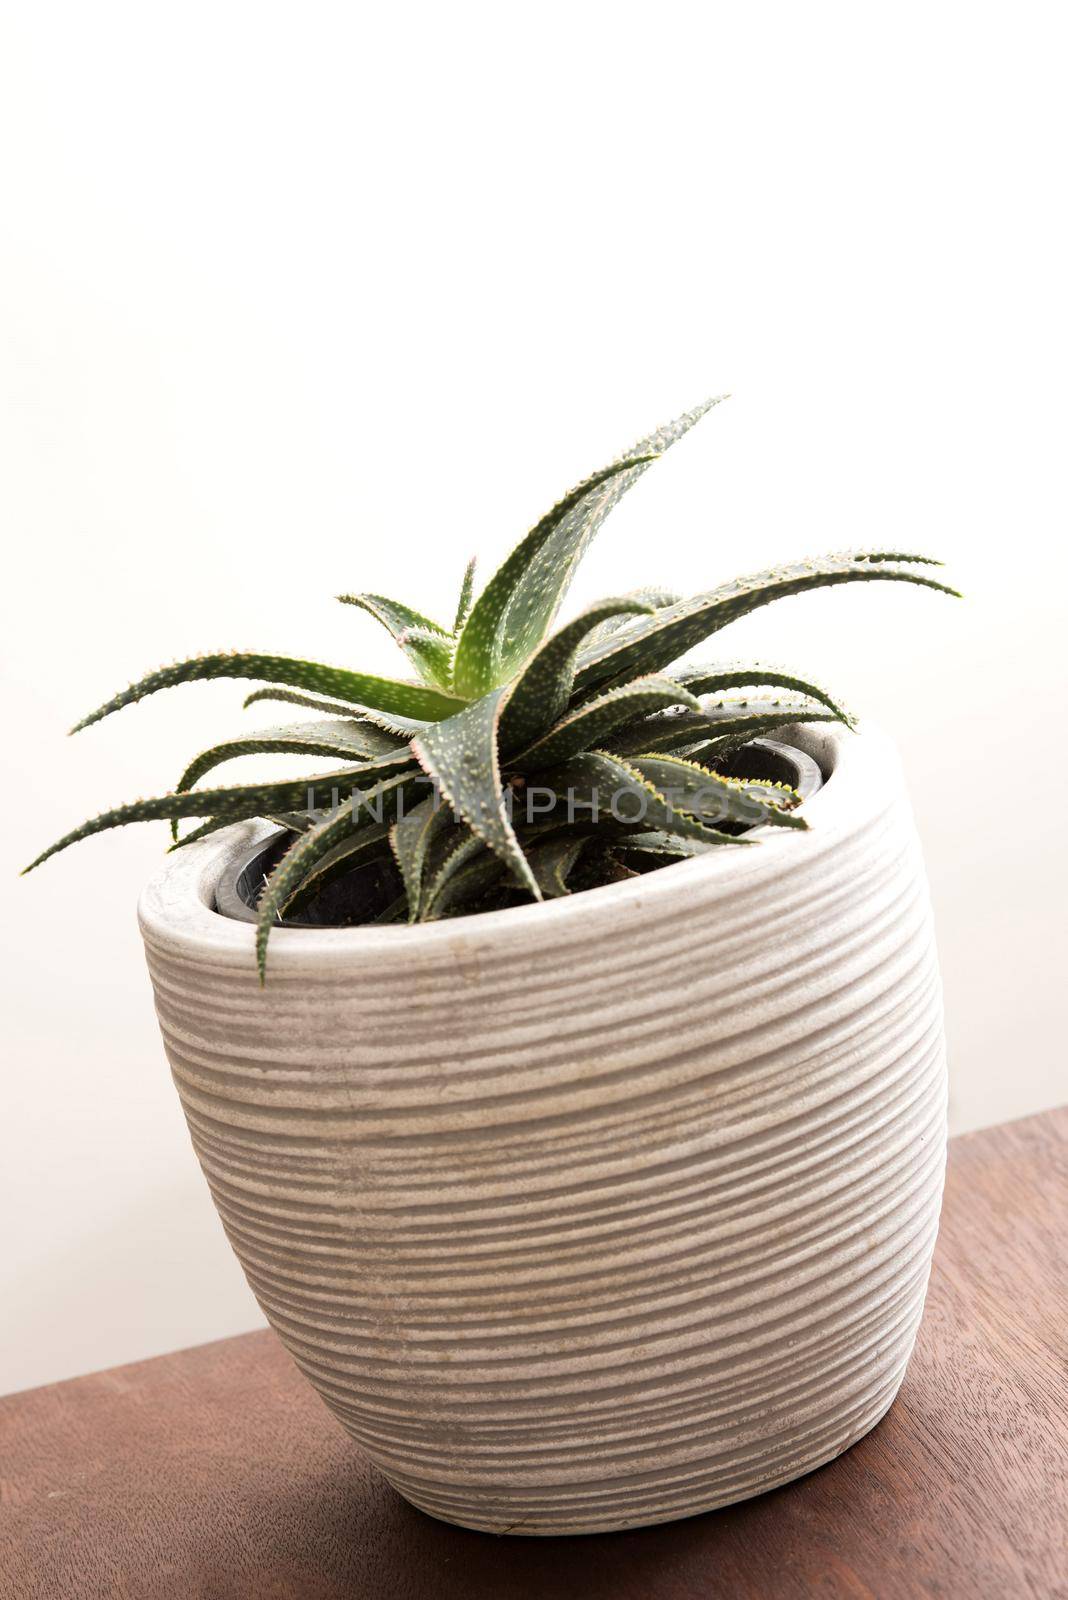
x=503 y=704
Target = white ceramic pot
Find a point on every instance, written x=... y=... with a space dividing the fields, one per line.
x=597 y=1213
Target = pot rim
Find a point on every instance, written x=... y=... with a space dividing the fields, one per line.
x=176 y=908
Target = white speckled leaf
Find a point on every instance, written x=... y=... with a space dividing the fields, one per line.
x=467 y=594
x=425 y=643
x=311 y=848
x=733 y=721
x=293 y=697
x=548 y=574
x=604 y=787
x=654 y=599
x=410 y=837
x=711 y=678
x=461 y=756
x=478 y=662
x=238 y=801
x=361 y=688
x=551 y=860
x=712 y=798
x=540 y=692
x=346 y=738
x=652 y=643
x=459 y=864
x=590 y=724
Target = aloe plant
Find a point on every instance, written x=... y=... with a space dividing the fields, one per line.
x=517 y=762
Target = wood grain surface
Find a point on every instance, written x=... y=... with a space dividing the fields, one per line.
x=216 y=1473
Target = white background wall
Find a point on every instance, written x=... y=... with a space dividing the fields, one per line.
x=303 y=298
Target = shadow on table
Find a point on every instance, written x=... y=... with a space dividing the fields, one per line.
x=350 y=1534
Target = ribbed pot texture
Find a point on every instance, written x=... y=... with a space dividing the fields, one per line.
x=597 y=1213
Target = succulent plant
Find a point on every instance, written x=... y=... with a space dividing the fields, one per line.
x=517 y=763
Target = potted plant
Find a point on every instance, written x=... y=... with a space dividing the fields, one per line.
x=585 y=1143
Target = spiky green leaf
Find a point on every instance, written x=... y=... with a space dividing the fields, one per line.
x=551 y=860
x=597 y=786
x=395 y=728
x=361 y=688
x=411 y=837
x=292 y=697
x=295 y=821
x=659 y=845
x=430 y=652
x=461 y=757
x=546 y=577
x=650 y=644
x=239 y=801
x=589 y=725
x=730 y=721
x=712 y=678
x=459 y=866
x=348 y=740
x=425 y=643
x=212 y=825
x=653 y=598
x=467 y=594
x=478 y=665
x=540 y=692
x=311 y=848
x=714 y=799
x=362 y=844
x=893 y=555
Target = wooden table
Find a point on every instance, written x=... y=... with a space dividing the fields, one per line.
x=216 y=1473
